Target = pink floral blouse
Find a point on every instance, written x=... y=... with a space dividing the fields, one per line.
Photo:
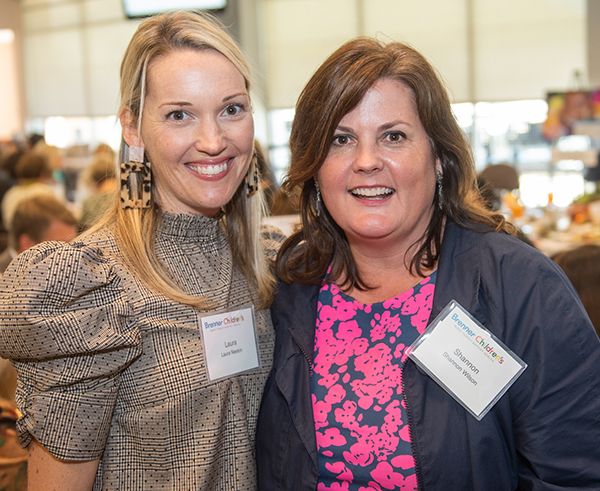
x=363 y=437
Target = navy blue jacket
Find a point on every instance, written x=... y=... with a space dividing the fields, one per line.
x=543 y=434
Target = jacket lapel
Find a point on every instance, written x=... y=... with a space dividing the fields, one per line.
x=296 y=311
x=459 y=272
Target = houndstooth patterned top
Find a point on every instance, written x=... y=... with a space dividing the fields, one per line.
x=109 y=369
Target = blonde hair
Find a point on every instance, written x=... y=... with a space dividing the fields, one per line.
x=135 y=228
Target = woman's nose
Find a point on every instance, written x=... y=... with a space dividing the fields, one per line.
x=367 y=158
x=210 y=138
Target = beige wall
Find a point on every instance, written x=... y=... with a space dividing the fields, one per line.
x=72 y=51
x=486 y=49
x=12 y=97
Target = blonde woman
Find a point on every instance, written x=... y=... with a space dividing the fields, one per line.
x=122 y=384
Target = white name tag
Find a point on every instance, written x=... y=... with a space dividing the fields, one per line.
x=230 y=343
x=467 y=360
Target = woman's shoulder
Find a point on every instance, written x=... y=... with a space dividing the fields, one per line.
x=498 y=258
x=90 y=259
x=58 y=290
x=507 y=269
x=493 y=243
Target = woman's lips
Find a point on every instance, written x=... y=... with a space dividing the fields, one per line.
x=379 y=192
x=212 y=169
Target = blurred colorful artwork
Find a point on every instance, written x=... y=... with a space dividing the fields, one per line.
x=565 y=108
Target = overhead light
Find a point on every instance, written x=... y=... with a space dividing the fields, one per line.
x=7 y=36
x=142 y=8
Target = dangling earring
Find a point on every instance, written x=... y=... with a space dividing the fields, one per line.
x=438 y=180
x=318 y=200
x=136 y=179
x=252 y=176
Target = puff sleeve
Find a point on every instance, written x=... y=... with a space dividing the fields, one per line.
x=65 y=322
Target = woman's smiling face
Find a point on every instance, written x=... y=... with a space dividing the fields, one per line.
x=197 y=130
x=379 y=178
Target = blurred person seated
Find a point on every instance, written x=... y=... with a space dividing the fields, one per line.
x=10 y=146
x=503 y=180
x=101 y=177
x=7 y=180
x=582 y=267
x=34 y=139
x=64 y=179
x=105 y=150
x=38 y=219
x=492 y=201
x=34 y=175
x=7 y=171
x=53 y=154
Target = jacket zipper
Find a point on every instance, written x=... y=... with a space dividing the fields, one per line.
x=303 y=351
x=410 y=432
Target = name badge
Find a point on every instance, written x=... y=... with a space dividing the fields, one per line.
x=466 y=360
x=230 y=343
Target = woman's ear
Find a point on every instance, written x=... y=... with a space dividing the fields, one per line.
x=129 y=126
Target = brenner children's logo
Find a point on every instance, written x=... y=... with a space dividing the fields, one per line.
x=225 y=322
x=479 y=340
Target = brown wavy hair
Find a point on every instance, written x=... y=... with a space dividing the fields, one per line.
x=335 y=89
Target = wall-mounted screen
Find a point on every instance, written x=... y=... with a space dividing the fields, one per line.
x=144 y=8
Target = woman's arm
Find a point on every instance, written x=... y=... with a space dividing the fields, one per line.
x=50 y=474
x=69 y=355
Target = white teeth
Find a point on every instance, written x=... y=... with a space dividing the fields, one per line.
x=210 y=170
x=371 y=192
